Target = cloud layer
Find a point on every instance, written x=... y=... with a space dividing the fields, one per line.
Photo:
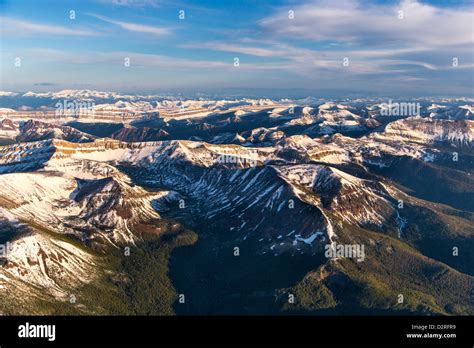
x=357 y=23
x=310 y=43
x=135 y=27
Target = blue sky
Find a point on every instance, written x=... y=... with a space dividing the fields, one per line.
x=389 y=47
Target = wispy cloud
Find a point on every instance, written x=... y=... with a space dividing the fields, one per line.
x=304 y=60
x=235 y=48
x=375 y=38
x=45 y=84
x=13 y=26
x=116 y=58
x=361 y=22
x=135 y=27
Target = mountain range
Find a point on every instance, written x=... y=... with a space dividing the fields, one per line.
x=229 y=206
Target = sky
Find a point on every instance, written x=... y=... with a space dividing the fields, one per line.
x=318 y=47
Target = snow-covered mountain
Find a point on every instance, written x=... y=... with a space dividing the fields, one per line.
x=270 y=180
x=427 y=131
x=37 y=130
